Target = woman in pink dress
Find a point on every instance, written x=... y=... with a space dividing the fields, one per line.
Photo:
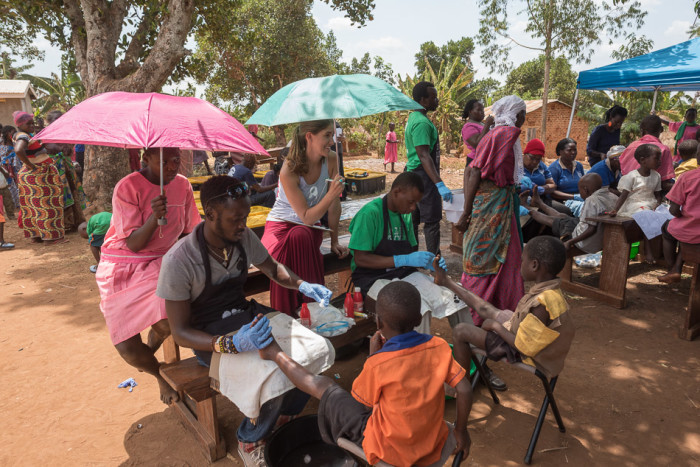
x=132 y=253
x=475 y=127
x=391 y=150
x=687 y=129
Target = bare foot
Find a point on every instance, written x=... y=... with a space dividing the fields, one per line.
x=670 y=277
x=167 y=394
x=35 y=240
x=440 y=275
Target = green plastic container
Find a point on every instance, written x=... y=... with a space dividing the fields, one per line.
x=634 y=250
x=472 y=370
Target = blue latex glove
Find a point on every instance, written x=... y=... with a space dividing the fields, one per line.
x=129 y=383
x=441 y=263
x=525 y=184
x=417 y=259
x=316 y=291
x=540 y=190
x=574 y=206
x=577 y=197
x=524 y=211
x=253 y=337
x=445 y=192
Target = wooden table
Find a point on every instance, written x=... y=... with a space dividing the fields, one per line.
x=618 y=234
x=690 y=326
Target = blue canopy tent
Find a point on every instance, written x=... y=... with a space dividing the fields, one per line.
x=675 y=68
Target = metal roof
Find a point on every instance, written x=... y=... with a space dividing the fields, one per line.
x=16 y=89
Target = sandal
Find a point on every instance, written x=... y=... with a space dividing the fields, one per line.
x=93 y=269
x=6 y=246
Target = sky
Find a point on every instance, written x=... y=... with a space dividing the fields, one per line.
x=400 y=26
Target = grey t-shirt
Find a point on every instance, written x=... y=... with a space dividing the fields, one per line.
x=182 y=273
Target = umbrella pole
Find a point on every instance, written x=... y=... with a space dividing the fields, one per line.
x=573 y=109
x=162 y=220
x=653 y=102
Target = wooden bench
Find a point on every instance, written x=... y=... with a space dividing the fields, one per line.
x=197 y=405
x=618 y=235
x=690 y=326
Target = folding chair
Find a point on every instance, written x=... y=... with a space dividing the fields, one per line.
x=479 y=357
x=447 y=449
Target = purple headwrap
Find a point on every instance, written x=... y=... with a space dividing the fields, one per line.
x=21 y=117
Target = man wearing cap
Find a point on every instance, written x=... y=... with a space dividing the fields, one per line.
x=609 y=168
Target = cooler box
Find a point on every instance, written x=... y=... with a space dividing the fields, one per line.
x=360 y=184
x=256 y=218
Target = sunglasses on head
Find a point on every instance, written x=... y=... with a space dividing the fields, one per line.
x=234 y=192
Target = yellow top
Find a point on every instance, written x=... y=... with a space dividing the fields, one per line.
x=685 y=166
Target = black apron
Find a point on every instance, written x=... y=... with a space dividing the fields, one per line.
x=430 y=206
x=364 y=278
x=208 y=309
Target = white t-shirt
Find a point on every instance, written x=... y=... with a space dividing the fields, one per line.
x=182 y=274
x=595 y=205
x=641 y=190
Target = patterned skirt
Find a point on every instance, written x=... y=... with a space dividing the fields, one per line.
x=41 y=201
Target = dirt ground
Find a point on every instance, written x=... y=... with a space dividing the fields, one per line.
x=629 y=395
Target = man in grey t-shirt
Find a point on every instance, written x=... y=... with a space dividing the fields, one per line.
x=202 y=279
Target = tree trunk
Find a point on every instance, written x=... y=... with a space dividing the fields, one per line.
x=95 y=58
x=280 y=139
x=549 y=18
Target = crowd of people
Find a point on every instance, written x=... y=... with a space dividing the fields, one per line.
x=521 y=217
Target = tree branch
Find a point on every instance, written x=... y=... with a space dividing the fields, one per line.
x=518 y=43
x=129 y=63
x=167 y=51
x=78 y=37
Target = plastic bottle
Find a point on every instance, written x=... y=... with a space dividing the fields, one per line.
x=305 y=316
x=358 y=301
x=354 y=187
x=349 y=306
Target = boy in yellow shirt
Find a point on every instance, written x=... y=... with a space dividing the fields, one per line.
x=540 y=330
x=687 y=150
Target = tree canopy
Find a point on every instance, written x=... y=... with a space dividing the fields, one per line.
x=527 y=80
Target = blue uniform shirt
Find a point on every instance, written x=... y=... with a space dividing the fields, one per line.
x=607 y=175
x=540 y=175
x=566 y=181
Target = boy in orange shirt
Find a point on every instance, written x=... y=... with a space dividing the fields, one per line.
x=397 y=403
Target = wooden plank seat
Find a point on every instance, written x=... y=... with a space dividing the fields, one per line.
x=197 y=405
x=690 y=324
x=618 y=234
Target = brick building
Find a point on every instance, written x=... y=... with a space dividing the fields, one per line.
x=558 y=114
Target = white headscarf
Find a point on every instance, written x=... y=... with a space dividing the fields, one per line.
x=505 y=112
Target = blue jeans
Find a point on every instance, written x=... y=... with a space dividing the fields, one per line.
x=289 y=403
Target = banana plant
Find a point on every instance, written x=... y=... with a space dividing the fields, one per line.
x=57 y=92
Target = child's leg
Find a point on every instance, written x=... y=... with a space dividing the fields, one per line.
x=543 y=218
x=392 y=168
x=464 y=334
x=648 y=252
x=673 y=259
x=95 y=252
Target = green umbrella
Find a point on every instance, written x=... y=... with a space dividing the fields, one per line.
x=331 y=97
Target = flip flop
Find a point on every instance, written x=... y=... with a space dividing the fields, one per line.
x=6 y=246
x=57 y=241
x=93 y=269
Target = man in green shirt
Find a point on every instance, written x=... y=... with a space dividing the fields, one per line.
x=423 y=151
x=382 y=240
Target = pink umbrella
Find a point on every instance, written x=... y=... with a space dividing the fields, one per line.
x=150 y=120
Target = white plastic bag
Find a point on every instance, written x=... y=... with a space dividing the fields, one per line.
x=328 y=321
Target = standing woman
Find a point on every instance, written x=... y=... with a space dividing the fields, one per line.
x=475 y=127
x=391 y=149
x=492 y=245
x=687 y=129
x=74 y=200
x=40 y=187
x=606 y=135
x=131 y=255
x=304 y=197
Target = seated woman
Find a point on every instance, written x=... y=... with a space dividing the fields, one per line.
x=292 y=233
x=132 y=253
x=566 y=172
x=384 y=246
x=538 y=173
x=475 y=127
